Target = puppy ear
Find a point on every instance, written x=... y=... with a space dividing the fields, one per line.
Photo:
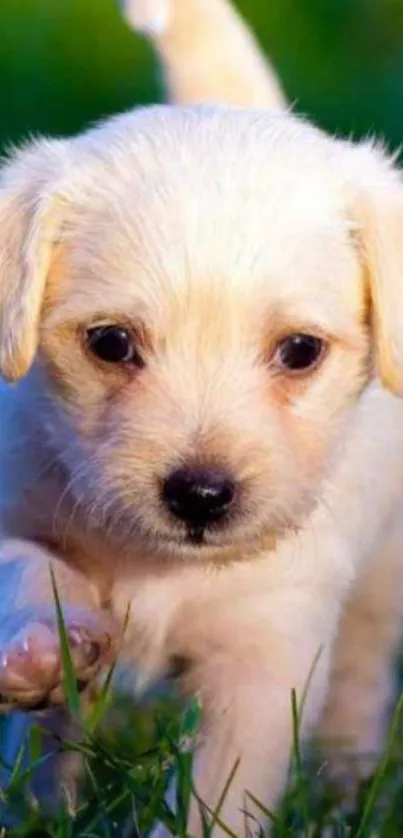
x=208 y=54
x=29 y=219
x=378 y=222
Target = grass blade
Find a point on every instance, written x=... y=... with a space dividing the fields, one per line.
x=380 y=772
x=69 y=679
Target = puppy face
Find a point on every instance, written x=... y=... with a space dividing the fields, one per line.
x=204 y=330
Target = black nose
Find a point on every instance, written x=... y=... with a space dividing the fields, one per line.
x=198 y=496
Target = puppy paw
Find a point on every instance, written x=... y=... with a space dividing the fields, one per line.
x=31 y=670
x=348 y=773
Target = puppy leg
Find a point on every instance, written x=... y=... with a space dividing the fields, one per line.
x=30 y=665
x=207 y=52
x=30 y=662
x=244 y=674
x=362 y=680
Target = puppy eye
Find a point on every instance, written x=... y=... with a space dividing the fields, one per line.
x=114 y=345
x=299 y=352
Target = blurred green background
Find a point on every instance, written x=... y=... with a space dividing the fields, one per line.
x=64 y=63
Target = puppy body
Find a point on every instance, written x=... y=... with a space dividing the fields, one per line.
x=211 y=235
x=250 y=631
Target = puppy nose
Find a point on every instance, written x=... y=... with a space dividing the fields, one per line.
x=198 y=497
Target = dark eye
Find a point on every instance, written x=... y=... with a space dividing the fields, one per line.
x=299 y=352
x=114 y=345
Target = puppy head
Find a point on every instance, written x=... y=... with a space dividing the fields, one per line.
x=205 y=291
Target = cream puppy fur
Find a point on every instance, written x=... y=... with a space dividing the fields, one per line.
x=207 y=52
x=205 y=303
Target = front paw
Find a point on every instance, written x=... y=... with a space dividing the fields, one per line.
x=31 y=671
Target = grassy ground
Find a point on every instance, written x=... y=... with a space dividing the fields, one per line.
x=129 y=755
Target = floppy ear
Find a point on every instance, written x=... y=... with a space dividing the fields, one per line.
x=378 y=218
x=29 y=221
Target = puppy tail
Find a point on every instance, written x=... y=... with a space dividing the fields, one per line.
x=208 y=54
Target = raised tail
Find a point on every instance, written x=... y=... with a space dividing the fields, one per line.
x=208 y=54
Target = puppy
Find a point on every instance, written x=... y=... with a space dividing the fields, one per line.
x=201 y=312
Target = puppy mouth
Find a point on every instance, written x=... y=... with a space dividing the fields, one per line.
x=213 y=535
x=196 y=535
x=216 y=542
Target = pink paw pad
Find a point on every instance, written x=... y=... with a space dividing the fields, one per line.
x=31 y=671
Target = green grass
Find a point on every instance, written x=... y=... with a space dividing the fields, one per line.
x=130 y=753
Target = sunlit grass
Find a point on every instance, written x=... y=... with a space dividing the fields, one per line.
x=129 y=755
